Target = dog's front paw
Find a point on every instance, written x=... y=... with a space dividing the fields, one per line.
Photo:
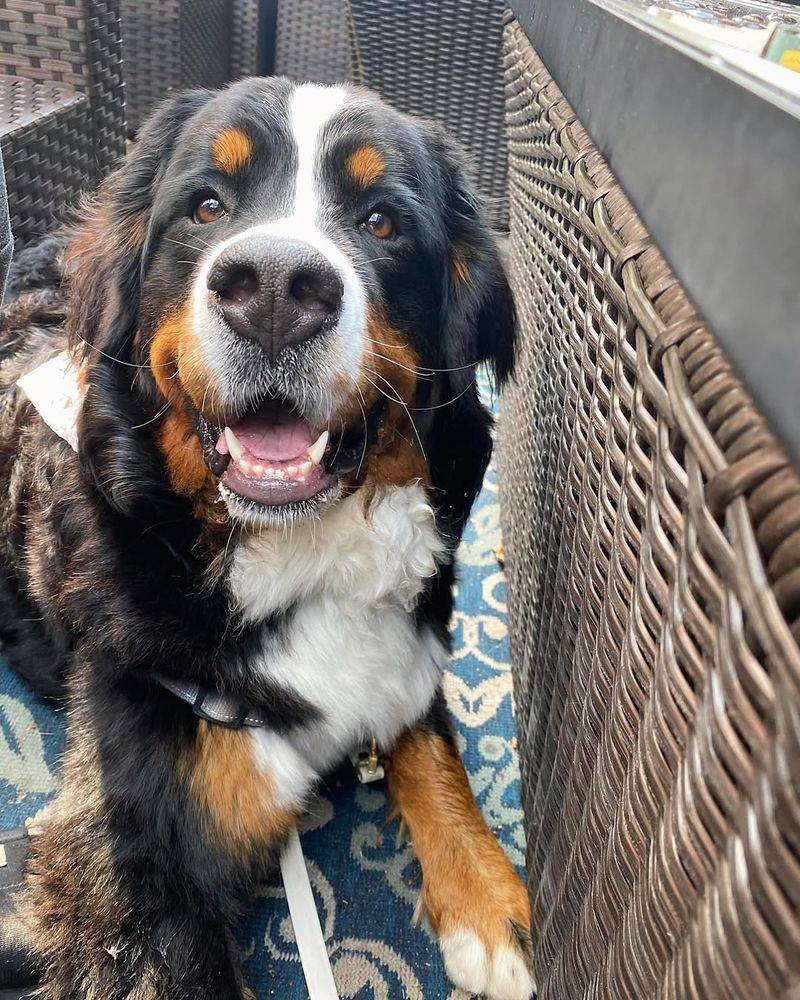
x=482 y=920
x=488 y=965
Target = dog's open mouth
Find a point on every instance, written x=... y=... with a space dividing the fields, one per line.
x=276 y=456
x=273 y=458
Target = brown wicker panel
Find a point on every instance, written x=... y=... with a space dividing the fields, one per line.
x=74 y=42
x=48 y=152
x=312 y=40
x=44 y=41
x=170 y=45
x=652 y=528
x=442 y=59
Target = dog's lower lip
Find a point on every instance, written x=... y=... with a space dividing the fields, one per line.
x=278 y=488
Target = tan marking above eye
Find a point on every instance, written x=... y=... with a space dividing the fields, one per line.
x=231 y=150
x=365 y=166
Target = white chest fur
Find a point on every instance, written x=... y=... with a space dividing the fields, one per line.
x=352 y=649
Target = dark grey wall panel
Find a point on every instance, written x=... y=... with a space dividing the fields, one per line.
x=713 y=170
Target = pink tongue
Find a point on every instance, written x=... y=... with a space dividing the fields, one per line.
x=275 y=433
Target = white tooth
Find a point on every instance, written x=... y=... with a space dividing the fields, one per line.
x=305 y=468
x=234 y=447
x=317 y=449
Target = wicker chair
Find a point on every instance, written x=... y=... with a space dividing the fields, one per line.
x=171 y=45
x=652 y=528
x=437 y=58
x=62 y=112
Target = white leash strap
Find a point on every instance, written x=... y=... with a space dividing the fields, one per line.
x=305 y=919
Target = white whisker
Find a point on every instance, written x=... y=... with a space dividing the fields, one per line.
x=402 y=402
x=163 y=410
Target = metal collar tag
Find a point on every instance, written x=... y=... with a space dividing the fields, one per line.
x=368 y=764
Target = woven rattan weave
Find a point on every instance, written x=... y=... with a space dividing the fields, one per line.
x=74 y=42
x=48 y=154
x=171 y=45
x=62 y=111
x=441 y=59
x=652 y=528
x=245 y=41
x=313 y=41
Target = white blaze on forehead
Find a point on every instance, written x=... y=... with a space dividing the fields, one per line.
x=311 y=107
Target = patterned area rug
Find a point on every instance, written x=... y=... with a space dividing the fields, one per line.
x=365 y=879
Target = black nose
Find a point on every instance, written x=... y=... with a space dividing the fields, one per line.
x=275 y=291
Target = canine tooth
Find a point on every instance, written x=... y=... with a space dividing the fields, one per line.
x=234 y=446
x=317 y=449
x=305 y=468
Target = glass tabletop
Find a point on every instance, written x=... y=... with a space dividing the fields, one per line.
x=755 y=42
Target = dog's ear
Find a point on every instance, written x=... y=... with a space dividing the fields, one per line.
x=478 y=316
x=103 y=266
x=477 y=324
x=104 y=259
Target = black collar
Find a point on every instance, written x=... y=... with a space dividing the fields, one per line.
x=222 y=709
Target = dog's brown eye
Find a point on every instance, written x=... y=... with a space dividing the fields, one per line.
x=380 y=225
x=209 y=210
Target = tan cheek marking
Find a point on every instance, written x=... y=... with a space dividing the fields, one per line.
x=390 y=369
x=178 y=443
x=233 y=792
x=231 y=150
x=177 y=363
x=365 y=166
x=176 y=368
x=467 y=879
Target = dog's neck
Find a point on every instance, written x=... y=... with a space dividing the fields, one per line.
x=379 y=556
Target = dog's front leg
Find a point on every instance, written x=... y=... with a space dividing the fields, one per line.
x=473 y=897
x=146 y=862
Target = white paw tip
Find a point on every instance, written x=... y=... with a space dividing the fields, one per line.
x=509 y=978
x=503 y=977
x=465 y=960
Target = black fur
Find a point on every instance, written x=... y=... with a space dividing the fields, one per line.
x=106 y=579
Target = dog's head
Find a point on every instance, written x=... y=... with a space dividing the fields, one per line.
x=275 y=298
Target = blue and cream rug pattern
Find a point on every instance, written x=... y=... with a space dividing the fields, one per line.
x=365 y=879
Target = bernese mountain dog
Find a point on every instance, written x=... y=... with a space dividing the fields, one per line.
x=274 y=311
